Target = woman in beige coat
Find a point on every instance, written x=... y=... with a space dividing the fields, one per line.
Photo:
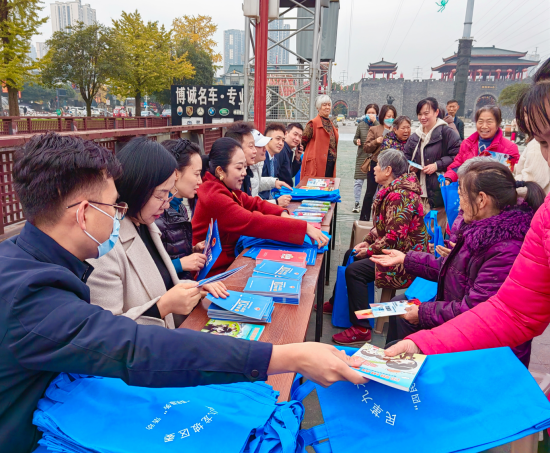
x=137 y=278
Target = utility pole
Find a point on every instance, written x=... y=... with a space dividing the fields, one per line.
x=463 y=60
x=417 y=73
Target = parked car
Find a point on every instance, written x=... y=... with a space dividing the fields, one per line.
x=120 y=112
x=147 y=113
x=166 y=112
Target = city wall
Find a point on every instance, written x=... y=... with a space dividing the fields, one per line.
x=407 y=93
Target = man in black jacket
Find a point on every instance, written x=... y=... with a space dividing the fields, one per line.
x=47 y=325
x=452 y=108
x=291 y=155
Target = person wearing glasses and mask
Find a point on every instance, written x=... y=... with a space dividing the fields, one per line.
x=137 y=278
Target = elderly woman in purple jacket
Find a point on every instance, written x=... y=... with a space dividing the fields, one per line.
x=488 y=239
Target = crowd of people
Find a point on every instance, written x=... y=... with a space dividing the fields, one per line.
x=103 y=271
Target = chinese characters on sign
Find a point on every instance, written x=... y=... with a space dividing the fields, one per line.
x=206 y=104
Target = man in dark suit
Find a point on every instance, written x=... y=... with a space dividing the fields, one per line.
x=452 y=108
x=291 y=156
x=273 y=159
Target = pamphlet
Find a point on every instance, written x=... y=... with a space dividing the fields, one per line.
x=311 y=253
x=240 y=306
x=398 y=372
x=384 y=309
x=234 y=329
x=220 y=277
x=415 y=165
x=212 y=249
x=283 y=256
x=274 y=269
x=500 y=157
x=282 y=290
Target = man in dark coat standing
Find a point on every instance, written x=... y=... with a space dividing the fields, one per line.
x=452 y=108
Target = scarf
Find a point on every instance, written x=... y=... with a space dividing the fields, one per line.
x=423 y=141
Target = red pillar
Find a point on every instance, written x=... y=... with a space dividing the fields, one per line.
x=260 y=70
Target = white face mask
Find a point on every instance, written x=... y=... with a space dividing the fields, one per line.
x=107 y=246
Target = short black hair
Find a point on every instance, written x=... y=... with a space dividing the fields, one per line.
x=238 y=130
x=182 y=150
x=275 y=127
x=50 y=168
x=452 y=101
x=384 y=111
x=431 y=102
x=372 y=106
x=146 y=165
x=296 y=125
x=531 y=109
x=220 y=155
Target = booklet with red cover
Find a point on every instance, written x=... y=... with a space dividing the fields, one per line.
x=282 y=256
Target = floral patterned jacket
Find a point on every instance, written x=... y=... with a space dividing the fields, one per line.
x=399 y=223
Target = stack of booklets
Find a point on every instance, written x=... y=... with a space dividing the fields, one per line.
x=298 y=259
x=382 y=309
x=234 y=329
x=398 y=372
x=241 y=307
x=312 y=212
x=274 y=269
x=319 y=184
x=282 y=290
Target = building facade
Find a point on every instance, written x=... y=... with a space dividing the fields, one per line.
x=66 y=14
x=233 y=48
x=278 y=30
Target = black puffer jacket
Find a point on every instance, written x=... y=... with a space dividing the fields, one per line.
x=434 y=152
x=176 y=233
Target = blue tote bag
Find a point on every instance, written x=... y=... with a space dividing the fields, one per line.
x=450 y=198
x=105 y=415
x=421 y=289
x=340 y=309
x=436 y=235
x=461 y=402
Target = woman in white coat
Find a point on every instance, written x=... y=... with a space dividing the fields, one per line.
x=137 y=278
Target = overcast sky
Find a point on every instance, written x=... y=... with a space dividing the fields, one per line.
x=411 y=33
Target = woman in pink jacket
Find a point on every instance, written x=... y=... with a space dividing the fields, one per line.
x=487 y=141
x=520 y=310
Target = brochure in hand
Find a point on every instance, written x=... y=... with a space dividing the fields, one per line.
x=240 y=306
x=220 y=277
x=274 y=269
x=212 y=249
x=398 y=372
x=385 y=309
x=282 y=290
x=415 y=165
x=234 y=329
x=500 y=157
x=284 y=256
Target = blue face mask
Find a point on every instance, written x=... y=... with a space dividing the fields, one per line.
x=107 y=246
x=388 y=122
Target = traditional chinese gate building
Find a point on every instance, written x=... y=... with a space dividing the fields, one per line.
x=489 y=63
x=382 y=67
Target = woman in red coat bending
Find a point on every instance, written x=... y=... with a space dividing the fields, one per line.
x=220 y=198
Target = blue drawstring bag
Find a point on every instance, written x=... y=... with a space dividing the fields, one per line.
x=423 y=290
x=450 y=199
x=248 y=241
x=105 y=415
x=302 y=194
x=461 y=402
x=436 y=235
x=340 y=308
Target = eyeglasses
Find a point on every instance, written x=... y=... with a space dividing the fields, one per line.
x=169 y=199
x=120 y=208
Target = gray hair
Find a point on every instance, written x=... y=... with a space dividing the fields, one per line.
x=395 y=159
x=323 y=99
x=463 y=169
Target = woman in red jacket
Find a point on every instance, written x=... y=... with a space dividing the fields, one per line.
x=520 y=310
x=488 y=140
x=220 y=198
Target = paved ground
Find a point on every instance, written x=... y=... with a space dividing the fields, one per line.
x=540 y=358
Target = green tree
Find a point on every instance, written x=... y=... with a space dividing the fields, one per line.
x=197 y=30
x=149 y=63
x=19 y=22
x=511 y=94
x=85 y=56
x=201 y=61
